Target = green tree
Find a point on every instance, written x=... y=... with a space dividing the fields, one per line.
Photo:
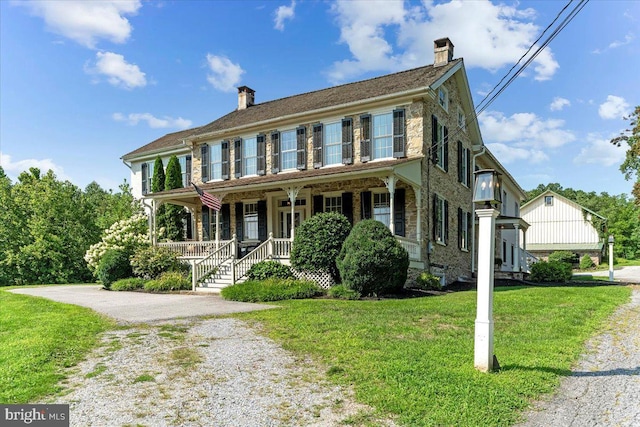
x=109 y=207
x=174 y=214
x=157 y=184
x=631 y=165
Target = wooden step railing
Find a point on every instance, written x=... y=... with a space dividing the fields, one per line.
x=200 y=269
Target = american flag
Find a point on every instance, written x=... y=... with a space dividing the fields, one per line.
x=207 y=199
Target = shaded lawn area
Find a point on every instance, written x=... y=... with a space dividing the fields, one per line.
x=38 y=339
x=413 y=359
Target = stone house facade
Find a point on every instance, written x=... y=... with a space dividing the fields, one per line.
x=397 y=148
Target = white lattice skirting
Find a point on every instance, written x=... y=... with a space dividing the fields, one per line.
x=324 y=280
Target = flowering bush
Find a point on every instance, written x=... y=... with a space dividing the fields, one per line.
x=125 y=235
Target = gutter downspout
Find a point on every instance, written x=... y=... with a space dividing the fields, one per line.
x=473 y=223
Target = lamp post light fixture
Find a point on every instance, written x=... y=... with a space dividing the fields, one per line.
x=611 y=239
x=487 y=195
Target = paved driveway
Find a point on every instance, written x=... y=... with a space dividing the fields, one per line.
x=629 y=274
x=141 y=307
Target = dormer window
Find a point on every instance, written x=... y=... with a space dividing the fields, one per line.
x=443 y=98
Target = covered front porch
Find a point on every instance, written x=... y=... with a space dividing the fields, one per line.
x=259 y=215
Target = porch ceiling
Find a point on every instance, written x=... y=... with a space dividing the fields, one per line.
x=509 y=223
x=406 y=169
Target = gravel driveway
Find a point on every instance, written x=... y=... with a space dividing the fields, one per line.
x=604 y=388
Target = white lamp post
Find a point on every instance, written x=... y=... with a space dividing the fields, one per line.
x=488 y=193
x=611 y=257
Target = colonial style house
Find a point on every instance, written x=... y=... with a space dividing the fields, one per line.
x=560 y=224
x=399 y=148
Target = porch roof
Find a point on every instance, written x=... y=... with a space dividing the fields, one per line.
x=407 y=169
x=509 y=222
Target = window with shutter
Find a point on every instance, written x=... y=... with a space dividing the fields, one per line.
x=347 y=141
x=204 y=162
x=463 y=230
x=275 y=152
x=301 y=141
x=382 y=136
x=399 y=211
x=224 y=163
x=288 y=150
x=250 y=156
x=398 y=133
x=187 y=172
x=365 y=138
x=439 y=146
x=145 y=178
x=440 y=219
x=225 y=222
x=317 y=145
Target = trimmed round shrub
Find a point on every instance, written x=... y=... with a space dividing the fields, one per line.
x=270 y=290
x=428 y=281
x=269 y=269
x=586 y=262
x=169 y=281
x=130 y=284
x=372 y=261
x=114 y=265
x=318 y=241
x=552 y=271
x=563 y=256
x=342 y=292
x=149 y=262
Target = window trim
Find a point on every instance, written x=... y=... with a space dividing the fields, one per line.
x=444 y=90
x=463 y=125
x=293 y=152
x=441 y=210
x=550 y=200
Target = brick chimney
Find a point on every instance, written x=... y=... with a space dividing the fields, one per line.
x=442 y=52
x=246 y=97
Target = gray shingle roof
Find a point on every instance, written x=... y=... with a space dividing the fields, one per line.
x=421 y=77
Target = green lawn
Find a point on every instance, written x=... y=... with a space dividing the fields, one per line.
x=38 y=339
x=413 y=358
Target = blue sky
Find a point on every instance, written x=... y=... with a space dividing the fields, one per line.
x=83 y=83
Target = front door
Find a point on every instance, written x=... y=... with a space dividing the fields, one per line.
x=284 y=217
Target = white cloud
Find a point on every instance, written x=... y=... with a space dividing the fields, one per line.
x=615 y=107
x=153 y=122
x=282 y=14
x=226 y=75
x=118 y=71
x=86 y=22
x=600 y=151
x=559 y=103
x=15 y=168
x=507 y=154
x=617 y=43
x=492 y=35
x=524 y=130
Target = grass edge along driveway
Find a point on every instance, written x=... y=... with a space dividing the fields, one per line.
x=412 y=359
x=39 y=338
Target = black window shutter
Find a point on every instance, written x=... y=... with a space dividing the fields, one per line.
x=204 y=159
x=469 y=229
x=188 y=173
x=469 y=172
x=262 y=220
x=206 y=231
x=237 y=147
x=262 y=154
x=239 y=220
x=317 y=145
x=398 y=212
x=347 y=141
x=224 y=148
x=446 y=149
x=460 y=165
x=301 y=140
x=446 y=222
x=460 y=215
x=398 y=133
x=365 y=205
x=365 y=138
x=145 y=178
x=225 y=227
x=435 y=217
x=434 y=139
x=347 y=206
x=318 y=204
x=275 y=152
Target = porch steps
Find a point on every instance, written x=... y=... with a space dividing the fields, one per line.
x=221 y=279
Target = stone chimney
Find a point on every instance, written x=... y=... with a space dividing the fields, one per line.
x=246 y=97
x=442 y=52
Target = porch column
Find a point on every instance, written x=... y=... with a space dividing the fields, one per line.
x=516 y=262
x=418 y=194
x=524 y=250
x=292 y=193
x=219 y=197
x=152 y=229
x=390 y=183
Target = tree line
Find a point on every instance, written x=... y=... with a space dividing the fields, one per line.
x=47 y=225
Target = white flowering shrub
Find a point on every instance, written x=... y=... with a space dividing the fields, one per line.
x=125 y=235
